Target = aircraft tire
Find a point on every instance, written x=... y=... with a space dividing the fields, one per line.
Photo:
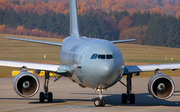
x=41 y=97
x=50 y=97
x=103 y=102
x=124 y=98
x=97 y=102
x=132 y=98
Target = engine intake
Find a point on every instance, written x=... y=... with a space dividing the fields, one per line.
x=26 y=84
x=161 y=86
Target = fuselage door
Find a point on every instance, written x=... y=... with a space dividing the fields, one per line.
x=82 y=54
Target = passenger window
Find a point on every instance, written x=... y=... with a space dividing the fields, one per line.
x=101 y=56
x=109 y=56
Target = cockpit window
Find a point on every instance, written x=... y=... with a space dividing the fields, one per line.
x=94 y=56
x=101 y=56
x=109 y=56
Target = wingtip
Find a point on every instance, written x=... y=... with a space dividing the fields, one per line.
x=9 y=37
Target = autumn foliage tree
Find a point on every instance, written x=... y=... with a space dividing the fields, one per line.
x=22 y=31
x=137 y=33
x=168 y=7
x=124 y=24
x=152 y=22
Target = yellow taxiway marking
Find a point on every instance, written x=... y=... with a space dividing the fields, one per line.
x=66 y=103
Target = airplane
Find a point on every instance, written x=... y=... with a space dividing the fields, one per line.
x=89 y=62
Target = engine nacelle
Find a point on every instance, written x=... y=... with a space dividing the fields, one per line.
x=26 y=84
x=161 y=86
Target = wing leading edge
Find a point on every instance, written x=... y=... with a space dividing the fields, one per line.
x=38 y=66
x=152 y=67
x=36 y=41
x=122 y=41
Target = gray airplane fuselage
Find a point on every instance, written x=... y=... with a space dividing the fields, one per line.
x=100 y=62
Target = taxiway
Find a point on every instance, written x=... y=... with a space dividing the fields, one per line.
x=69 y=97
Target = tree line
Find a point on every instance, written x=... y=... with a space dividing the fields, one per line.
x=169 y=7
x=91 y=25
x=150 y=29
x=162 y=30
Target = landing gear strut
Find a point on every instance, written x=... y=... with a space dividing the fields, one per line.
x=128 y=96
x=100 y=102
x=46 y=94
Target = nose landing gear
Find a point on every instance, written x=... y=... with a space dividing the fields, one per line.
x=100 y=102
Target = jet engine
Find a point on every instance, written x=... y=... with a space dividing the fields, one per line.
x=161 y=86
x=26 y=84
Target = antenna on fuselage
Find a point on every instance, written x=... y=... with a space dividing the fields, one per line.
x=74 y=29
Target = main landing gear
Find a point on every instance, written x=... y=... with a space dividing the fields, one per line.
x=100 y=102
x=128 y=96
x=46 y=94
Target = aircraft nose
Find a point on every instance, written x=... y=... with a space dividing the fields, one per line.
x=106 y=68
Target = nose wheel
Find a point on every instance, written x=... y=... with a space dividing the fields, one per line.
x=100 y=102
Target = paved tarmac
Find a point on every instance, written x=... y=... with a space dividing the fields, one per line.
x=69 y=97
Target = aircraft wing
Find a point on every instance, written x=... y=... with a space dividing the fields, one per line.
x=122 y=41
x=152 y=67
x=38 y=66
x=36 y=41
